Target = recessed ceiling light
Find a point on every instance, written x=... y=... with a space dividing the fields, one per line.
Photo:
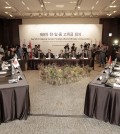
x=109 y=14
x=97 y=2
x=28 y=8
x=42 y=5
x=23 y=2
x=73 y=2
x=114 y=11
x=110 y=34
x=7 y=7
x=78 y=7
x=7 y=3
x=6 y=12
x=92 y=7
x=11 y=15
x=60 y=6
x=113 y=2
x=113 y=6
x=47 y=2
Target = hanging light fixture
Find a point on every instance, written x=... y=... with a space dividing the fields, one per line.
x=40 y=15
x=83 y=14
x=91 y=15
x=55 y=14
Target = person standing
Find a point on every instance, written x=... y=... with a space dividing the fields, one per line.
x=102 y=52
x=35 y=51
x=24 y=51
x=29 y=50
x=19 y=52
x=61 y=54
x=73 y=48
x=66 y=51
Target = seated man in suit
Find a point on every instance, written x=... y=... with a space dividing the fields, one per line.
x=40 y=54
x=83 y=54
x=78 y=55
x=49 y=54
x=8 y=55
x=61 y=54
x=73 y=54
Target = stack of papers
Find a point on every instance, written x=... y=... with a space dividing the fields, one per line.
x=3 y=72
x=13 y=81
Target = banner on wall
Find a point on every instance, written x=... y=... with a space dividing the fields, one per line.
x=56 y=36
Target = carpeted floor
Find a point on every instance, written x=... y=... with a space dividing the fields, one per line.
x=58 y=110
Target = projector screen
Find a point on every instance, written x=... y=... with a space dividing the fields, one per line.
x=56 y=36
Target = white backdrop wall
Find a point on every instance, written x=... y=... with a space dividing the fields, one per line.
x=56 y=36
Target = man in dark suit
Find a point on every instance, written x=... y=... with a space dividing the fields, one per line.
x=61 y=54
x=49 y=54
x=83 y=54
x=24 y=51
x=40 y=54
x=73 y=54
x=73 y=48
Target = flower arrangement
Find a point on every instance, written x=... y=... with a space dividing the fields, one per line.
x=58 y=75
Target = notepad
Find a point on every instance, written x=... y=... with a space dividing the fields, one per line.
x=3 y=72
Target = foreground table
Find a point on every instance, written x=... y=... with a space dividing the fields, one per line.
x=32 y=64
x=102 y=102
x=14 y=99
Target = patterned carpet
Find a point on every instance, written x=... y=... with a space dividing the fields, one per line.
x=58 y=110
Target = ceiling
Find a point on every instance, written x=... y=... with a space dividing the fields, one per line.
x=59 y=8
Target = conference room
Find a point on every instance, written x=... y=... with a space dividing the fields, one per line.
x=59 y=67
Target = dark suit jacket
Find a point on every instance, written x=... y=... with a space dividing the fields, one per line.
x=81 y=55
x=61 y=55
x=40 y=55
x=51 y=55
x=73 y=55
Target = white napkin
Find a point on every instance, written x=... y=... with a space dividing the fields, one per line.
x=13 y=81
x=73 y=58
x=47 y=58
x=116 y=85
x=116 y=68
x=60 y=58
